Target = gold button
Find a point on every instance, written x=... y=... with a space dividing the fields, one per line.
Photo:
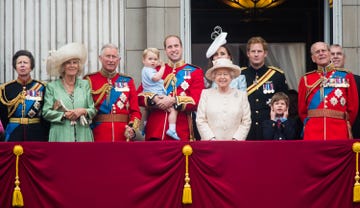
x=257 y=100
x=257 y=112
x=256 y=123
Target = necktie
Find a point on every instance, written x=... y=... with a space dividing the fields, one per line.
x=278 y=123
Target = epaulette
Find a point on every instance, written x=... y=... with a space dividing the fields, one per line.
x=342 y=69
x=125 y=75
x=42 y=82
x=198 y=67
x=276 y=69
x=310 y=72
x=2 y=86
x=243 y=68
x=7 y=83
x=92 y=73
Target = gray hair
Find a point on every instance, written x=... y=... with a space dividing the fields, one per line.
x=109 y=45
x=319 y=42
x=338 y=46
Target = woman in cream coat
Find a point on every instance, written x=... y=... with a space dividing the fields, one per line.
x=68 y=102
x=223 y=113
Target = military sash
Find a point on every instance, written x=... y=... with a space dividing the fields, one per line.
x=268 y=74
x=32 y=95
x=327 y=87
x=172 y=81
x=120 y=86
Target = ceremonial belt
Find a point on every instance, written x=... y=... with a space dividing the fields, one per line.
x=25 y=120
x=327 y=113
x=112 y=118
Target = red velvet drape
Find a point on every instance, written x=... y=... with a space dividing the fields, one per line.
x=294 y=174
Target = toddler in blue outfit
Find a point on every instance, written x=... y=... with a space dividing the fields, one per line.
x=152 y=82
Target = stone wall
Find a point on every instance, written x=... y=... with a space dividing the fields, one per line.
x=351 y=34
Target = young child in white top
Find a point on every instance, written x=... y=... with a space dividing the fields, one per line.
x=152 y=82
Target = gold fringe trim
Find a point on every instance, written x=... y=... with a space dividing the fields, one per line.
x=14 y=103
x=17 y=200
x=170 y=79
x=356 y=191
x=136 y=124
x=104 y=90
x=187 y=196
x=310 y=88
x=185 y=100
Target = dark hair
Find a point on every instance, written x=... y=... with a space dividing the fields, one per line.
x=24 y=53
x=210 y=64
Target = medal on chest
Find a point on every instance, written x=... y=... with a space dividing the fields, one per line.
x=338 y=82
x=338 y=98
x=184 y=86
x=268 y=87
x=187 y=74
x=122 y=100
x=256 y=79
x=121 y=87
x=34 y=95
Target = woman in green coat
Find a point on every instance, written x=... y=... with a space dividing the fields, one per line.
x=68 y=105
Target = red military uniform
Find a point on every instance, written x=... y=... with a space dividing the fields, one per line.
x=115 y=99
x=184 y=82
x=328 y=103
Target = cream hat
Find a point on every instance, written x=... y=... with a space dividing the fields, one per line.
x=222 y=63
x=63 y=54
x=215 y=45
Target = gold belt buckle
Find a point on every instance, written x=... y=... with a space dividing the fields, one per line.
x=24 y=121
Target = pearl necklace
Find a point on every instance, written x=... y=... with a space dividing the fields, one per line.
x=69 y=88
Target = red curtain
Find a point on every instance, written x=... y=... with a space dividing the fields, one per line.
x=151 y=174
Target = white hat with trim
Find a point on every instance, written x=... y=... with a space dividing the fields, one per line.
x=215 y=45
x=70 y=51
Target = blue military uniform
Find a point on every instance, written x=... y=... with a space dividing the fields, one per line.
x=20 y=111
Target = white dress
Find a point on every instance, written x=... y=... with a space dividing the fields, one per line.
x=223 y=116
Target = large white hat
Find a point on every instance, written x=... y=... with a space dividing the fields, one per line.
x=222 y=63
x=63 y=54
x=215 y=45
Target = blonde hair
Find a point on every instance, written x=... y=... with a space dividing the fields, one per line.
x=151 y=50
x=79 y=72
